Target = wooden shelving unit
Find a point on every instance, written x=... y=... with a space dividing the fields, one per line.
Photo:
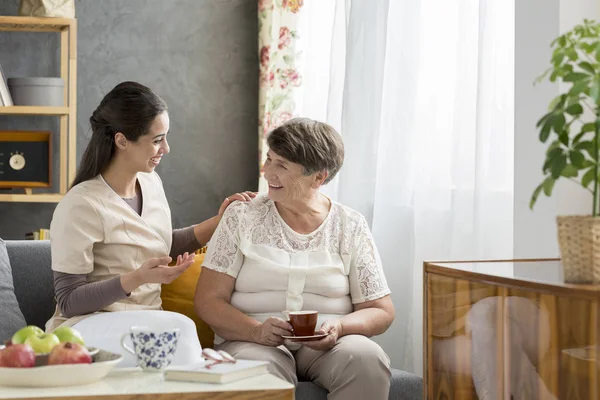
x=67 y=114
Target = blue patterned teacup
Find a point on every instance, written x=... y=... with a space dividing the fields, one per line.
x=153 y=348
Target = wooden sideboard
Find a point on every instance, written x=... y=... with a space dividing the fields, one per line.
x=509 y=329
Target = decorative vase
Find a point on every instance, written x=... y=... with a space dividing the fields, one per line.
x=579 y=242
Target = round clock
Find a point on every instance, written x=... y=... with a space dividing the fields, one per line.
x=17 y=162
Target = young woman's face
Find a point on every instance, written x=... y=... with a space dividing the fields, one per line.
x=147 y=152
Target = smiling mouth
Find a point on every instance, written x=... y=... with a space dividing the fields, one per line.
x=155 y=160
x=275 y=186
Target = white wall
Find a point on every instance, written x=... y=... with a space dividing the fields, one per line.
x=537 y=23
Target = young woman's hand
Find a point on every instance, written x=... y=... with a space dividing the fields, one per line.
x=244 y=196
x=156 y=270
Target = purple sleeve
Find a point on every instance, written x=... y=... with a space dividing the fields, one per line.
x=184 y=240
x=75 y=296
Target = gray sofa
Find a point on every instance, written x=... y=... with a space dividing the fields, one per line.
x=32 y=277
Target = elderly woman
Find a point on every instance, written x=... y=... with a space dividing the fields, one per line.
x=292 y=250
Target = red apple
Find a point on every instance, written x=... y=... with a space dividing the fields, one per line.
x=69 y=353
x=17 y=356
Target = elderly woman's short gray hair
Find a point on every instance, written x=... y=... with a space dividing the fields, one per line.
x=314 y=145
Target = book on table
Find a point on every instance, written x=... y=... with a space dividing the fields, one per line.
x=217 y=373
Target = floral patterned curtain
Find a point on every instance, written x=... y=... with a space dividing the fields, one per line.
x=279 y=77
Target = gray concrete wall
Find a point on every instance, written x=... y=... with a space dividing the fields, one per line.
x=198 y=55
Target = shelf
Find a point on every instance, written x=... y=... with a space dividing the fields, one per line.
x=67 y=130
x=34 y=24
x=33 y=110
x=31 y=198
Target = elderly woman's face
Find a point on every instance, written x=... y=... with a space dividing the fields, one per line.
x=286 y=179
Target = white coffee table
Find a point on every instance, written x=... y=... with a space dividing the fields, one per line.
x=133 y=384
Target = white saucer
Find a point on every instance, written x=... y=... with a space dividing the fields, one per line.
x=317 y=336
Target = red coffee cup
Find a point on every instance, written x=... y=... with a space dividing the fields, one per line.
x=303 y=322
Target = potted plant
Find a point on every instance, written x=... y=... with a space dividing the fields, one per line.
x=572 y=129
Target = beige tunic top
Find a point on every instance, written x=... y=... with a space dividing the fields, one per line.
x=95 y=232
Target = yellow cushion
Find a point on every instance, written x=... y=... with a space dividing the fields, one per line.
x=178 y=296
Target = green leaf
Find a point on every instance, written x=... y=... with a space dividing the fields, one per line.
x=558 y=164
x=546 y=165
x=574 y=100
x=543 y=119
x=558 y=57
x=572 y=54
x=567 y=68
x=588 y=48
x=575 y=109
x=545 y=131
x=598 y=52
x=587 y=146
x=569 y=171
x=548 y=186
x=587 y=163
x=586 y=66
x=553 y=151
x=575 y=77
x=540 y=78
x=557 y=103
x=576 y=158
x=588 y=177
x=535 y=195
x=559 y=123
x=595 y=91
x=562 y=41
x=589 y=127
x=564 y=138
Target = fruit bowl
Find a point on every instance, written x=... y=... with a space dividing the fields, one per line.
x=61 y=375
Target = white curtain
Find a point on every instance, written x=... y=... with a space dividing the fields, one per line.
x=422 y=92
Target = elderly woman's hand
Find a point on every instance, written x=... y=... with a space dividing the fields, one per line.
x=269 y=332
x=244 y=196
x=334 y=328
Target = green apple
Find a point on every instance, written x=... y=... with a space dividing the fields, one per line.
x=68 y=334
x=23 y=333
x=43 y=343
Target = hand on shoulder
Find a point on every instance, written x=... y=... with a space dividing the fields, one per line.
x=244 y=196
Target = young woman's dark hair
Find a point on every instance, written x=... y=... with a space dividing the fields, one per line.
x=130 y=108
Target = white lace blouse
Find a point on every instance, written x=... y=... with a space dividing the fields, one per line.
x=279 y=269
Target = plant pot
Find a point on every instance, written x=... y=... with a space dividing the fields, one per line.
x=579 y=242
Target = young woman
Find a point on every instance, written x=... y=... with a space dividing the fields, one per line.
x=111 y=234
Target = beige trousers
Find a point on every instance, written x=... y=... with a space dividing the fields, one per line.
x=355 y=368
